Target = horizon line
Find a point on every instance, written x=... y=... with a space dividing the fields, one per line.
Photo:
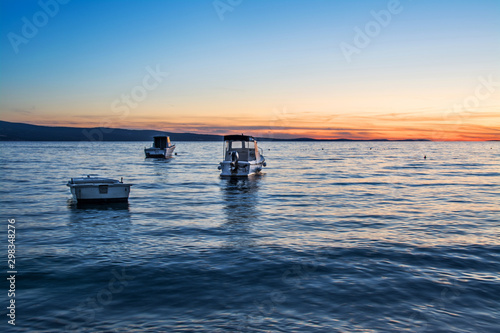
x=268 y=138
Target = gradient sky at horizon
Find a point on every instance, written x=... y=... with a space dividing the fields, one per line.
x=268 y=68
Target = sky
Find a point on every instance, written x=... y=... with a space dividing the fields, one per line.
x=397 y=69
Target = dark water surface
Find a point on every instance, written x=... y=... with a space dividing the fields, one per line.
x=335 y=237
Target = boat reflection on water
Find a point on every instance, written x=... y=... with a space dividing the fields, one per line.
x=240 y=201
x=98 y=206
x=158 y=167
x=100 y=229
x=158 y=161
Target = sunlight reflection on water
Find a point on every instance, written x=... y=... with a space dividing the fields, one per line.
x=335 y=236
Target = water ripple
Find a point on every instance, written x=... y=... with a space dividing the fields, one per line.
x=335 y=237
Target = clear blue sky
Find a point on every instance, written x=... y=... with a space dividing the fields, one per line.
x=258 y=65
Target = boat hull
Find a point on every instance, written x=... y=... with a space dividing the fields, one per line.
x=159 y=152
x=100 y=193
x=241 y=169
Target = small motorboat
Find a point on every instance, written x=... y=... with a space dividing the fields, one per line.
x=94 y=189
x=162 y=148
x=242 y=157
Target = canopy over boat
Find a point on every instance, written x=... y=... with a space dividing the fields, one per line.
x=161 y=141
x=242 y=146
x=238 y=138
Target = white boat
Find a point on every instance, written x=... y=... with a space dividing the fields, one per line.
x=242 y=157
x=92 y=189
x=161 y=148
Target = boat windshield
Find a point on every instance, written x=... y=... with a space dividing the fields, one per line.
x=237 y=144
x=246 y=149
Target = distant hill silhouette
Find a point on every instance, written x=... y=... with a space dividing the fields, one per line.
x=26 y=132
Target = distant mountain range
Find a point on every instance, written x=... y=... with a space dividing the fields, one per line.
x=26 y=132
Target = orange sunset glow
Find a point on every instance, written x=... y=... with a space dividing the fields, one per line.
x=318 y=74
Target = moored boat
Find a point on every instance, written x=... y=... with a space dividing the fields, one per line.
x=161 y=148
x=92 y=189
x=242 y=157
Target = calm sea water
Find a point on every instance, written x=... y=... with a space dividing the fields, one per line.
x=335 y=237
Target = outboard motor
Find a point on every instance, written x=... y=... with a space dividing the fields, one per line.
x=234 y=160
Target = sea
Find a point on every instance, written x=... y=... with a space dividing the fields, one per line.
x=333 y=237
